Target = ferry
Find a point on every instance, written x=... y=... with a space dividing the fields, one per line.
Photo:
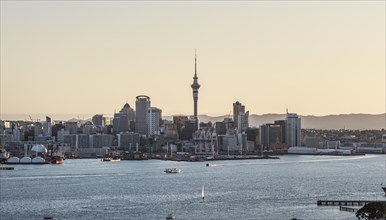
x=172 y=170
x=111 y=159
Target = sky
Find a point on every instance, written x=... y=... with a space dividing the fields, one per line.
x=314 y=58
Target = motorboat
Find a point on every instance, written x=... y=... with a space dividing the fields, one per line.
x=48 y=216
x=111 y=159
x=210 y=165
x=172 y=170
x=171 y=216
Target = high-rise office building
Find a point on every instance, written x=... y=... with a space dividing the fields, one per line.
x=270 y=134
x=195 y=86
x=120 y=123
x=38 y=129
x=97 y=120
x=129 y=111
x=71 y=127
x=237 y=109
x=142 y=104
x=123 y=121
x=154 y=120
x=243 y=121
x=47 y=127
x=292 y=129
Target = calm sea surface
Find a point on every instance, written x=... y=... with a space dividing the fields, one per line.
x=243 y=189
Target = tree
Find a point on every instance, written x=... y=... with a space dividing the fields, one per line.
x=372 y=210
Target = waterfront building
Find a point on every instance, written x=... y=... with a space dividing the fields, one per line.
x=237 y=109
x=229 y=142
x=253 y=135
x=70 y=140
x=293 y=129
x=316 y=142
x=38 y=129
x=128 y=140
x=57 y=127
x=189 y=127
x=61 y=134
x=154 y=121
x=88 y=128
x=71 y=127
x=82 y=141
x=47 y=127
x=195 y=86
x=169 y=130
x=270 y=135
x=101 y=140
x=332 y=144
x=97 y=120
x=142 y=104
x=5 y=138
x=16 y=134
x=205 y=140
x=226 y=124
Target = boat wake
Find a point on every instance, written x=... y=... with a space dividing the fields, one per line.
x=305 y=161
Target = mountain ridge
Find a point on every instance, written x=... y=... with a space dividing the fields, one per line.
x=354 y=121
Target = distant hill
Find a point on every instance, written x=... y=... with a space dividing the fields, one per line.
x=347 y=121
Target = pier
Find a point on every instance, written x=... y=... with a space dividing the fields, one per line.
x=6 y=168
x=345 y=202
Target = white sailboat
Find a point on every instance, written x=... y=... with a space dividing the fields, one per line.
x=203 y=194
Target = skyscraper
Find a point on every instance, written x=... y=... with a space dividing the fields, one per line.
x=242 y=121
x=142 y=104
x=154 y=119
x=195 y=86
x=292 y=130
x=237 y=109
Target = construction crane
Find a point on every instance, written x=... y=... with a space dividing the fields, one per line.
x=36 y=120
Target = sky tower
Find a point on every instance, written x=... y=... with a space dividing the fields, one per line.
x=195 y=86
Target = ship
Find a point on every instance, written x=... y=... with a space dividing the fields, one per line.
x=57 y=160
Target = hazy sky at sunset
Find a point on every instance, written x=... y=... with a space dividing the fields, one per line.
x=316 y=58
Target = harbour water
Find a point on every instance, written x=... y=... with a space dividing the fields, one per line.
x=246 y=189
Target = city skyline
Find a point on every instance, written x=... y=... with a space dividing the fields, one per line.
x=92 y=57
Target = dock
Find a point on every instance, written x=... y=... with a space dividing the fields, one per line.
x=7 y=168
x=345 y=202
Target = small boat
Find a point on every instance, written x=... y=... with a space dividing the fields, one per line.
x=384 y=189
x=171 y=216
x=48 y=216
x=172 y=170
x=210 y=165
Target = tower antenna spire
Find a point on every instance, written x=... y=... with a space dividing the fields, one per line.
x=195 y=62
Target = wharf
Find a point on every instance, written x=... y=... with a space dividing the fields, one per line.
x=345 y=202
x=7 y=168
